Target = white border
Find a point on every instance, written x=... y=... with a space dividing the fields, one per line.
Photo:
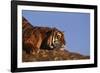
x=53 y=63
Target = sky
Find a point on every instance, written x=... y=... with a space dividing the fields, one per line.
x=76 y=27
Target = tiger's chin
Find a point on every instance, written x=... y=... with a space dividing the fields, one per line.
x=58 y=46
x=63 y=46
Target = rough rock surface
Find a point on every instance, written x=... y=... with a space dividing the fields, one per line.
x=52 y=55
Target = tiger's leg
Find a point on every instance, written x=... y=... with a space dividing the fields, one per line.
x=37 y=44
x=28 y=48
x=49 y=42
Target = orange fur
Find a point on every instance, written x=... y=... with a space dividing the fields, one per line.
x=35 y=38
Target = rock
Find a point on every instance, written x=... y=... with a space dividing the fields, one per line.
x=52 y=55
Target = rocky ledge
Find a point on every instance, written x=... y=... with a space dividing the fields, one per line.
x=52 y=55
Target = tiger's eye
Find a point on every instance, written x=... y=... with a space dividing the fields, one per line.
x=58 y=36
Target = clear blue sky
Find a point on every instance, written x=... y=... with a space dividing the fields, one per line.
x=76 y=27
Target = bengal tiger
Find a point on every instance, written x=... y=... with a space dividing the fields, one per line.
x=36 y=38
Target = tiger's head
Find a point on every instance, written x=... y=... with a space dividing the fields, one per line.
x=56 y=39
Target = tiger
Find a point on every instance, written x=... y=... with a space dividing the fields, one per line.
x=36 y=37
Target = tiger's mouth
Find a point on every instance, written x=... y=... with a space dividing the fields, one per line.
x=57 y=44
